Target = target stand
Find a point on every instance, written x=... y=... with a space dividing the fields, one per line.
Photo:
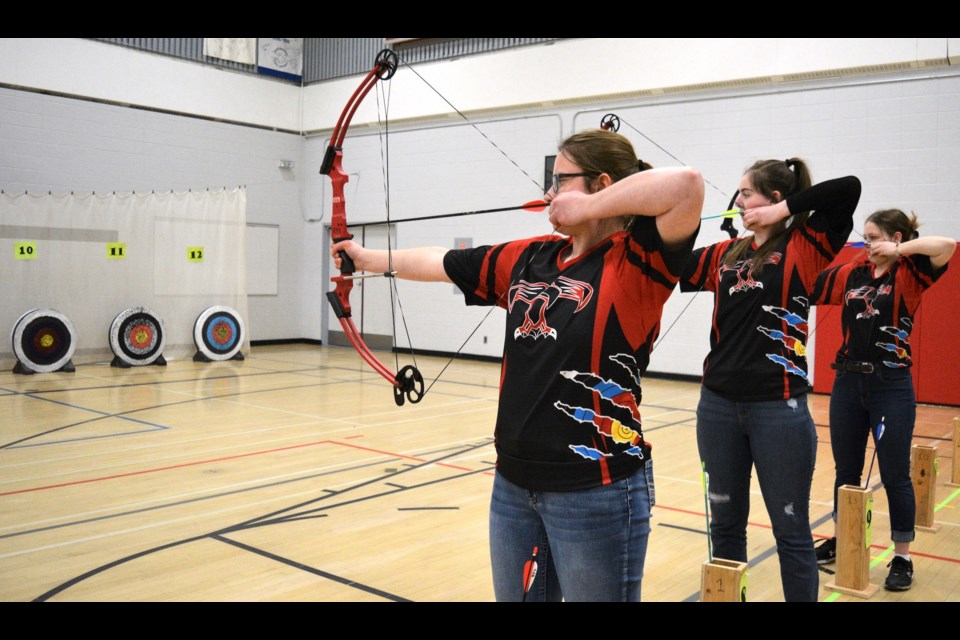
x=218 y=334
x=137 y=336
x=723 y=581
x=854 y=536
x=43 y=341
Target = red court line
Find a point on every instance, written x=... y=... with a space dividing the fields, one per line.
x=398 y=455
x=703 y=515
x=816 y=535
x=159 y=469
x=202 y=462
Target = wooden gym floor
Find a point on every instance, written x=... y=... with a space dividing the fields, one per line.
x=292 y=476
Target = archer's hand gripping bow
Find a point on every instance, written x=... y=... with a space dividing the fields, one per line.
x=408 y=382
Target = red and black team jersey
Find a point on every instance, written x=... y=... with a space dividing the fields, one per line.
x=878 y=311
x=578 y=340
x=759 y=329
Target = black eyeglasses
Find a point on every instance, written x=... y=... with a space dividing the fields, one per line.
x=560 y=177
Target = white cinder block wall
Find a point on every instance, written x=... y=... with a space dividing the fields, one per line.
x=898 y=129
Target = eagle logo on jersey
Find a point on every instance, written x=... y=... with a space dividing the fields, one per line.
x=744 y=271
x=540 y=296
x=869 y=296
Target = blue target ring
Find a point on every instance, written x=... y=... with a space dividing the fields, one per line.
x=219 y=333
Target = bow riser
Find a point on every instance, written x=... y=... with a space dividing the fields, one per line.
x=407 y=383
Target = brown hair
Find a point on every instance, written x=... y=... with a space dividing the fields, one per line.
x=599 y=151
x=776 y=180
x=892 y=220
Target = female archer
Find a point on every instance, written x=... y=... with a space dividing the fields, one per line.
x=574 y=475
x=873 y=388
x=753 y=402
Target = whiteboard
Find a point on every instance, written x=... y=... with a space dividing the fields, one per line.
x=263 y=259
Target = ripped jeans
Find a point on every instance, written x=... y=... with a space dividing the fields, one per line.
x=779 y=438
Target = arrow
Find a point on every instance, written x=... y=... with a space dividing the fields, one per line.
x=729 y=213
x=532 y=206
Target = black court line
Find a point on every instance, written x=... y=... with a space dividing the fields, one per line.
x=375 y=480
x=284 y=520
x=180 y=503
x=156 y=382
x=271 y=518
x=223 y=494
x=428 y=508
x=669 y=424
x=323 y=574
x=122 y=414
x=394 y=484
x=164 y=405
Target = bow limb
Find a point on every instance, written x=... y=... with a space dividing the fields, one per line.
x=408 y=382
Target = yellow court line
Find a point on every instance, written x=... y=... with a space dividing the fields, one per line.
x=880 y=558
x=874 y=562
x=956 y=492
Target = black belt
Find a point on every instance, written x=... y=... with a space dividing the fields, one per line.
x=854 y=366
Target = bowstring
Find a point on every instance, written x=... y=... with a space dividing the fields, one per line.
x=663 y=335
x=496 y=304
x=697 y=292
x=383 y=131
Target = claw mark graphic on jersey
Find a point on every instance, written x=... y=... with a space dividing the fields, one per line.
x=607 y=389
x=629 y=363
x=798 y=322
x=794 y=344
x=744 y=271
x=901 y=335
x=802 y=300
x=588 y=453
x=869 y=296
x=900 y=351
x=605 y=425
x=789 y=366
x=540 y=296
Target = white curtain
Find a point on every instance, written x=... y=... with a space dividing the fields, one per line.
x=181 y=253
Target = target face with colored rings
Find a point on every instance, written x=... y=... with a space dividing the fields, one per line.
x=43 y=340
x=219 y=333
x=137 y=336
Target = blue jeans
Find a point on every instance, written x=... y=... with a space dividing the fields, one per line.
x=779 y=438
x=858 y=403
x=592 y=543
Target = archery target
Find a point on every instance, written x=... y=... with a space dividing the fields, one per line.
x=43 y=340
x=137 y=336
x=219 y=333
